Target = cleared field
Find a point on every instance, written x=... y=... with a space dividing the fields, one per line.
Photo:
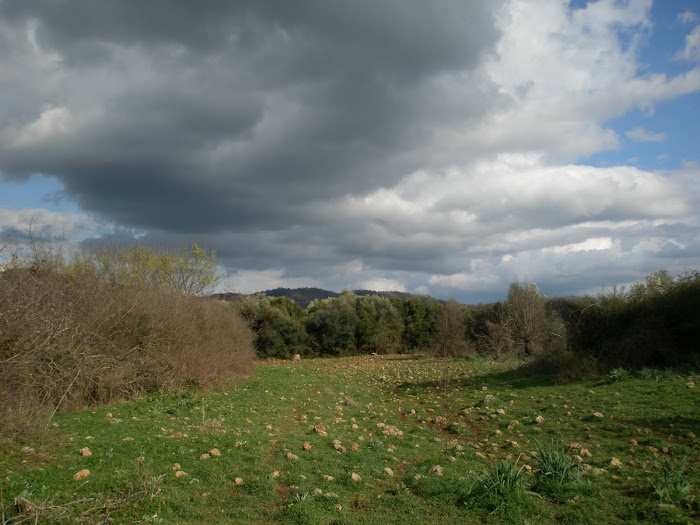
x=360 y=440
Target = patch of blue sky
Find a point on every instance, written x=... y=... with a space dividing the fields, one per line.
x=36 y=192
x=676 y=120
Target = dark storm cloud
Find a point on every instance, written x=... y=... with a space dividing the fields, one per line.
x=221 y=115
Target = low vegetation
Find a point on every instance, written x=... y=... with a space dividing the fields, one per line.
x=112 y=324
x=371 y=439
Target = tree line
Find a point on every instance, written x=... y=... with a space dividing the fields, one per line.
x=654 y=323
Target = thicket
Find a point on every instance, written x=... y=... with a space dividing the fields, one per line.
x=654 y=324
x=110 y=324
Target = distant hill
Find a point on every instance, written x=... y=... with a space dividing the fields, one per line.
x=304 y=296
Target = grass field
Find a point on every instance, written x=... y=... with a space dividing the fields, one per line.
x=372 y=440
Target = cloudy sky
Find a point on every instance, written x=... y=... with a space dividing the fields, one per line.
x=445 y=147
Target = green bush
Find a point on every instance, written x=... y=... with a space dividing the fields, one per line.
x=654 y=325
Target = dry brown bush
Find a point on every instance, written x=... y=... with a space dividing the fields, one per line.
x=68 y=340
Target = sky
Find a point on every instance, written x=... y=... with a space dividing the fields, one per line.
x=446 y=148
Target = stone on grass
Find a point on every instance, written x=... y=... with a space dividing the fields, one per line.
x=614 y=462
x=292 y=457
x=238 y=481
x=436 y=470
x=539 y=419
x=85 y=452
x=80 y=475
x=180 y=474
x=355 y=477
x=204 y=456
x=388 y=471
x=215 y=452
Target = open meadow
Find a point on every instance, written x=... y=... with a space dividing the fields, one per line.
x=372 y=439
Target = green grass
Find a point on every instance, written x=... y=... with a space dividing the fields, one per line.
x=392 y=420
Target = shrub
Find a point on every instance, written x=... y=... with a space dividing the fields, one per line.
x=654 y=325
x=69 y=338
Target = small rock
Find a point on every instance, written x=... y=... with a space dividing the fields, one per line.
x=306 y=446
x=238 y=481
x=355 y=477
x=633 y=442
x=388 y=471
x=614 y=462
x=488 y=398
x=292 y=457
x=436 y=470
x=176 y=466
x=275 y=474
x=128 y=439
x=328 y=478
x=539 y=419
x=28 y=450
x=317 y=492
x=180 y=474
x=586 y=453
x=215 y=452
x=80 y=475
x=598 y=471
x=598 y=415
x=330 y=495
x=577 y=459
x=204 y=456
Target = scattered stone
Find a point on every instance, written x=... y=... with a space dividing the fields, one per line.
x=575 y=446
x=487 y=399
x=355 y=446
x=585 y=453
x=330 y=495
x=512 y=444
x=577 y=459
x=633 y=442
x=238 y=481
x=614 y=462
x=500 y=411
x=297 y=357
x=480 y=455
x=598 y=415
x=177 y=435
x=436 y=470
x=275 y=474
x=317 y=492
x=215 y=452
x=80 y=475
x=204 y=456
x=598 y=471
x=355 y=477
x=539 y=419
x=176 y=466
x=292 y=457
x=28 y=450
x=388 y=471
x=180 y=474
x=320 y=430
x=306 y=446
x=128 y=439
x=328 y=478
x=527 y=467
